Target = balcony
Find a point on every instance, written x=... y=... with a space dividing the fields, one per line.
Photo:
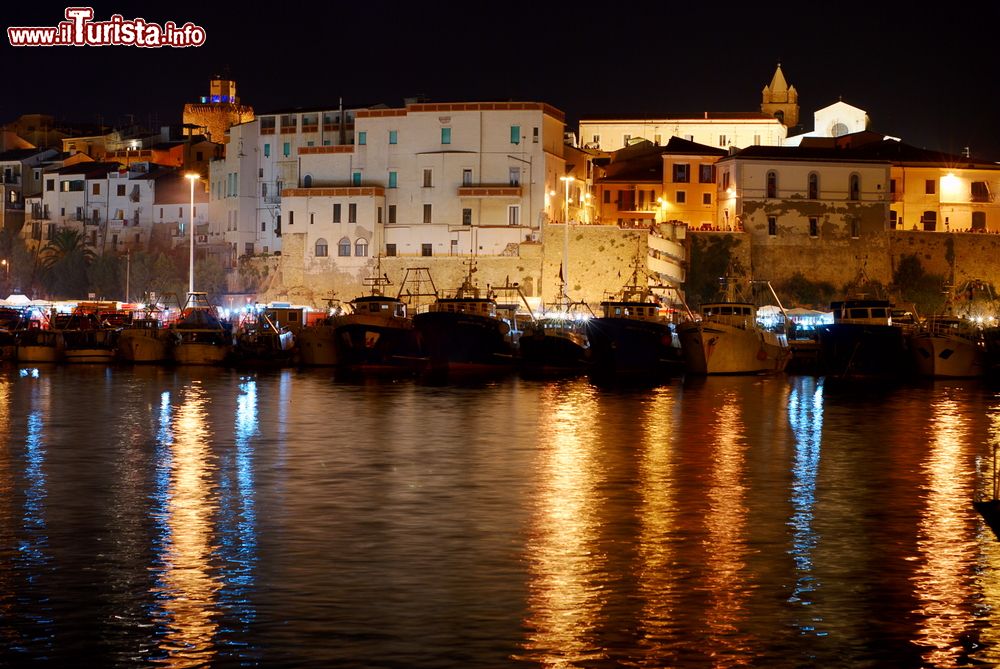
x=490 y=191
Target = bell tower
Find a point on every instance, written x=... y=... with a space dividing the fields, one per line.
x=781 y=100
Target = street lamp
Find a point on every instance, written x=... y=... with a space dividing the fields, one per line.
x=192 y=177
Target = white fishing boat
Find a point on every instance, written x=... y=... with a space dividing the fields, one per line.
x=728 y=338
x=952 y=344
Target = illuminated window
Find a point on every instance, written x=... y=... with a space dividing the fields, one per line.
x=344 y=247
x=322 y=250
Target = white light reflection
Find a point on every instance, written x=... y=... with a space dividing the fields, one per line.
x=186 y=589
x=564 y=602
x=805 y=417
x=942 y=579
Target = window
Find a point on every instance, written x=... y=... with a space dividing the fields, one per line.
x=756 y=140
x=361 y=248
x=378 y=216
x=855 y=227
x=392 y=214
x=356 y=178
x=267 y=150
x=722 y=141
x=352 y=213
x=291 y=218
x=929 y=220
x=680 y=197
x=248 y=248
x=980 y=192
x=893 y=219
x=706 y=174
x=597 y=139
x=656 y=139
x=930 y=186
x=626 y=139
x=307 y=181
x=446 y=135
x=120 y=190
x=263 y=226
x=813 y=186
x=180 y=212
x=514 y=175
x=534 y=135
x=344 y=247
x=772 y=226
x=454 y=247
x=813 y=226
x=393 y=136
x=428 y=178
x=772 y=184
x=362 y=137
x=467 y=177
x=96 y=189
x=426 y=250
x=607 y=196
x=390 y=250
x=312 y=218
x=50 y=184
x=515 y=134
x=466 y=217
x=263 y=190
x=336 y=212
x=322 y=250
x=854 y=188
x=393 y=180
x=892 y=186
x=725 y=180
x=427 y=213
x=286 y=149
x=513 y=214
x=706 y=198
x=979 y=221
x=682 y=173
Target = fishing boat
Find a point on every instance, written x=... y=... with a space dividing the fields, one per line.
x=11 y=321
x=145 y=339
x=864 y=340
x=261 y=339
x=949 y=347
x=199 y=335
x=463 y=331
x=635 y=335
x=729 y=339
x=90 y=332
x=556 y=342
x=315 y=340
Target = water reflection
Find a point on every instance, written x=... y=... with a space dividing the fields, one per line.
x=805 y=418
x=186 y=589
x=660 y=573
x=238 y=516
x=945 y=549
x=727 y=591
x=563 y=601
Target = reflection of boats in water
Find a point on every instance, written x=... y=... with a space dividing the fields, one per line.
x=634 y=334
x=464 y=332
x=728 y=339
x=199 y=335
x=952 y=345
x=989 y=509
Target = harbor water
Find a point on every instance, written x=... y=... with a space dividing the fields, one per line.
x=207 y=517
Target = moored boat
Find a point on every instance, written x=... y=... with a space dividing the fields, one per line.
x=145 y=339
x=556 y=342
x=199 y=335
x=728 y=339
x=89 y=333
x=261 y=340
x=864 y=341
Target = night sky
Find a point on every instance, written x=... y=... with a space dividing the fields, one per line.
x=926 y=77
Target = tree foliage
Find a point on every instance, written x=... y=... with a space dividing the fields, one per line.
x=915 y=286
x=712 y=256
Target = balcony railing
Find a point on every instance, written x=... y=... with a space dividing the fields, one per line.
x=489 y=190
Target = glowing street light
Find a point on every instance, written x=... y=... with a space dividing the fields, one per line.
x=567 y=180
x=192 y=177
x=6 y=267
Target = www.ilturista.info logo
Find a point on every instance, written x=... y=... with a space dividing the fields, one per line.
x=79 y=29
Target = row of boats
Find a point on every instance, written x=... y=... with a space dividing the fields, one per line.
x=639 y=332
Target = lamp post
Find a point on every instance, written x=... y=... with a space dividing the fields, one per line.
x=192 y=177
x=565 y=269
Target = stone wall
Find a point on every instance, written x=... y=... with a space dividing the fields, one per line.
x=969 y=255
x=601 y=258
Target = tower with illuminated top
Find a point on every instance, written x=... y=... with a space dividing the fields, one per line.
x=218 y=111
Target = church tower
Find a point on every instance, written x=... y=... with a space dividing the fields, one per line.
x=781 y=100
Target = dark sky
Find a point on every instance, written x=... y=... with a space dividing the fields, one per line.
x=928 y=77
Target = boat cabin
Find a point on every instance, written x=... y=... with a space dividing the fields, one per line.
x=639 y=311
x=286 y=317
x=378 y=304
x=862 y=312
x=736 y=314
x=467 y=305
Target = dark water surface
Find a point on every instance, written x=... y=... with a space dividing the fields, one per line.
x=206 y=517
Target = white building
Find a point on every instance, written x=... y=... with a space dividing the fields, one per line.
x=717 y=129
x=429 y=180
x=835 y=120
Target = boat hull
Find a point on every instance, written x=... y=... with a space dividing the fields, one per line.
x=717 y=348
x=144 y=347
x=554 y=351
x=316 y=346
x=200 y=353
x=633 y=347
x=373 y=342
x=37 y=353
x=947 y=356
x=457 y=341
x=863 y=350
x=99 y=356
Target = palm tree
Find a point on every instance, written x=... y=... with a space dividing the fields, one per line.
x=64 y=262
x=65 y=243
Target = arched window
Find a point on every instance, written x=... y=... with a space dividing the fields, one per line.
x=854 y=189
x=322 y=250
x=772 y=184
x=361 y=247
x=344 y=247
x=813 y=186
x=307 y=181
